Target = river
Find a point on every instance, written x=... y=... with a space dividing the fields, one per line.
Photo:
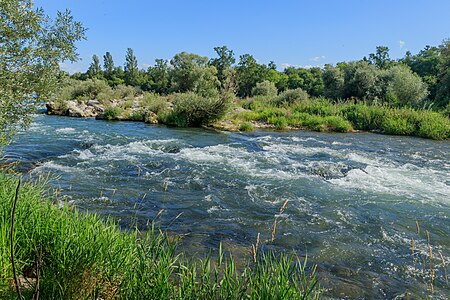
x=353 y=199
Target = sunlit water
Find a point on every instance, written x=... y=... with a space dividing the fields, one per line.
x=354 y=199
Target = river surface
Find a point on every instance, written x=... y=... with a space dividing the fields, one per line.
x=353 y=199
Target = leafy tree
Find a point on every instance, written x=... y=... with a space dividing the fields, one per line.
x=443 y=85
x=94 y=70
x=405 y=86
x=272 y=65
x=426 y=64
x=159 y=76
x=191 y=72
x=108 y=65
x=131 y=68
x=223 y=62
x=380 y=58
x=265 y=88
x=361 y=80
x=249 y=72
x=31 y=48
x=333 y=81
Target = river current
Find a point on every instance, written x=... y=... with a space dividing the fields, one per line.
x=353 y=199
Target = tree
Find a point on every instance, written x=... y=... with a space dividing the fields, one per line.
x=31 y=48
x=108 y=65
x=404 y=86
x=159 y=76
x=443 y=85
x=94 y=70
x=192 y=73
x=248 y=74
x=362 y=81
x=380 y=58
x=223 y=62
x=131 y=68
x=265 y=88
x=333 y=81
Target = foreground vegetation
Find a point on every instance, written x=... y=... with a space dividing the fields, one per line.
x=68 y=255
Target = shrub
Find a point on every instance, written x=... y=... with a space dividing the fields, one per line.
x=89 y=89
x=364 y=117
x=246 y=126
x=112 y=112
x=337 y=124
x=154 y=103
x=190 y=109
x=137 y=116
x=433 y=125
x=265 y=88
x=280 y=123
x=124 y=92
x=289 y=97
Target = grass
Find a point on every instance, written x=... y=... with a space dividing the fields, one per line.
x=321 y=114
x=84 y=256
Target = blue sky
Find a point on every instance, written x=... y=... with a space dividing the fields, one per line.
x=300 y=33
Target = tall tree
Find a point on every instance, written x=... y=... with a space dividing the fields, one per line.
x=131 y=68
x=443 y=85
x=108 y=65
x=223 y=62
x=191 y=72
x=380 y=58
x=159 y=76
x=31 y=48
x=95 y=69
x=248 y=74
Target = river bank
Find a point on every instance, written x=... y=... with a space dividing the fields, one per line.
x=256 y=113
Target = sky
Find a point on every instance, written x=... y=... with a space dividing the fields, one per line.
x=290 y=33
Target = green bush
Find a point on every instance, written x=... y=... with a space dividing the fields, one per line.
x=246 y=126
x=337 y=124
x=280 y=123
x=124 y=92
x=112 y=112
x=190 y=109
x=290 y=97
x=364 y=117
x=265 y=88
x=433 y=125
x=154 y=103
x=90 y=89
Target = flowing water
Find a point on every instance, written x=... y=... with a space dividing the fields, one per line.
x=354 y=199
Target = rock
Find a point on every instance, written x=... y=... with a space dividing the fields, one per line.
x=151 y=118
x=93 y=103
x=75 y=109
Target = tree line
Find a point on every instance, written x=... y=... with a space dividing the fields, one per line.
x=418 y=80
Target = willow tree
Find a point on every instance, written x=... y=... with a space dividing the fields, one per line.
x=32 y=46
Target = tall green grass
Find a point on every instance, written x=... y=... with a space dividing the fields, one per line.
x=85 y=257
x=321 y=114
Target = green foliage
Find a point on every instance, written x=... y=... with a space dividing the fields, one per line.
x=154 y=103
x=124 y=92
x=362 y=81
x=246 y=126
x=190 y=109
x=85 y=90
x=380 y=58
x=108 y=65
x=112 y=112
x=333 y=80
x=85 y=257
x=31 y=48
x=290 y=97
x=405 y=87
x=265 y=88
x=95 y=70
x=131 y=68
x=191 y=73
x=222 y=63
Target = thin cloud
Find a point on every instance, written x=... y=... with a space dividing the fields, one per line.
x=318 y=58
x=401 y=44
